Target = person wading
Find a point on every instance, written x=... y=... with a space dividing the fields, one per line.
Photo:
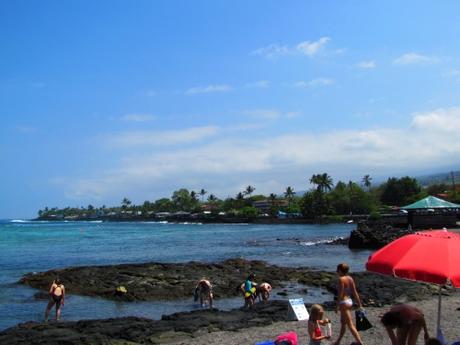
x=57 y=297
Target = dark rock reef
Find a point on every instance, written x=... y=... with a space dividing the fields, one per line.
x=135 y=330
x=170 y=281
x=375 y=235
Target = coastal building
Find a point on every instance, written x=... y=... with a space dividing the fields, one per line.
x=266 y=205
x=431 y=212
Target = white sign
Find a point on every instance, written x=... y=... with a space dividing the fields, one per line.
x=297 y=310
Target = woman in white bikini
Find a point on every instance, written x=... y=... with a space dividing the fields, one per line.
x=57 y=296
x=346 y=290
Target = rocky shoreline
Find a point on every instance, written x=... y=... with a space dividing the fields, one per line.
x=172 y=281
x=375 y=235
x=168 y=281
x=135 y=330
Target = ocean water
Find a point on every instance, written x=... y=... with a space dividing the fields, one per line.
x=27 y=246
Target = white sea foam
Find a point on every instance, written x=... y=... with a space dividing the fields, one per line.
x=314 y=243
x=19 y=221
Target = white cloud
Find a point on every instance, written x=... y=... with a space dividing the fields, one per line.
x=208 y=89
x=160 y=138
x=138 y=117
x=312 y=48
x=366 y=64
x=223 y=163
x=413 y=58
x=270 y=114
x=314 y=82
x=272 y=51
x=261 y=84
x=438 y=121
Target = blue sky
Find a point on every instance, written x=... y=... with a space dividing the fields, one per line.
x=104 y=100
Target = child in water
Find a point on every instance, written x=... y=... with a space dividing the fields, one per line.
x=315 y=322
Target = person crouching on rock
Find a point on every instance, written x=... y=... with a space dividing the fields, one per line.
x=203 y=290
x=408 y=322
x=57 y=296
x=250 y=288
x=263 y=291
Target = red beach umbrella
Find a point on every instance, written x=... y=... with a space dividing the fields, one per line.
x=429 y=256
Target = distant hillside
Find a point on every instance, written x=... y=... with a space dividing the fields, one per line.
x=446 y=178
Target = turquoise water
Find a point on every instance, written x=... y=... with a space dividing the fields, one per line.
x=40 y=246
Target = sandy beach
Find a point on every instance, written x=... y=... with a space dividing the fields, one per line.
x=375 y=336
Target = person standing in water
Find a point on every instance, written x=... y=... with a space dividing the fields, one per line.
x=249 y=290
x=346 y=290
x=57 y=296
x=203 y=291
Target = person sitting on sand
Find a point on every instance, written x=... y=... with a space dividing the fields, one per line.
x=250 y=288
x=408 y=322
x=346 y=290
x=314 y=322
x=263 y=291
x=57 y=296
x=203 y=290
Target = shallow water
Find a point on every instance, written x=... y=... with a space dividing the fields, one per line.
x=40 y=246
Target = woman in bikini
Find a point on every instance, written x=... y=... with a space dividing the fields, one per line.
x=57 y=296
x=346 y=290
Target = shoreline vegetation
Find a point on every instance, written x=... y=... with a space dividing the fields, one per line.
x=326 y=202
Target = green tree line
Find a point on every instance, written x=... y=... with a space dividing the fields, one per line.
x=323 y=198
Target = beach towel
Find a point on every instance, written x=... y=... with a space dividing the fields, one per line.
x=362 y=323
x=288 y=338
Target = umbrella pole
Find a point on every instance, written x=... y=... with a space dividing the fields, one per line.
x=438 y=329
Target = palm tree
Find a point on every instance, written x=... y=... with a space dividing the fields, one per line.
x=323 y=182
x=350 y=190
x=326 y=182
x=193 y=195
x=249 y=190
x=125 y=203
x=212 y=198
x=289 y=193
x=202 y=193
x=367 y=181
x=315 y=179
x=240 y=199
x=272 y=198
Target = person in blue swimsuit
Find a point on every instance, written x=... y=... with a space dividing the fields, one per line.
x=346 y=290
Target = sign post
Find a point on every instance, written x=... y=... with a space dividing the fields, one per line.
x=297 y=310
